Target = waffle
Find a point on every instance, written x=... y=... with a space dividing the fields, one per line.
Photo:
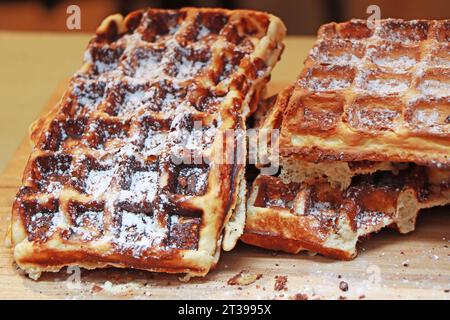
x=371 y=94
x=364 y=139
x=325 y=219
x=129 y=169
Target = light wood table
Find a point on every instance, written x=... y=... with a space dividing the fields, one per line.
x=389 y=265
x=33 y=64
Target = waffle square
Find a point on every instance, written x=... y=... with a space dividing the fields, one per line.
x=125 y=170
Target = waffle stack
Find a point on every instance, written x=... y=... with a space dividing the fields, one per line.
x=364 y=138
x=129 y=169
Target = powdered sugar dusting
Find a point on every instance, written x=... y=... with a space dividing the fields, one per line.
x=401 y=63
x=328 y=84
x=324 y=212
x=189 y=68
x=98 y=182
x=435 y=88
x=138 y=232
x=386 y=86
x=54 y=188
x=45 y=224
x=370 y=221
x=155 y=143
x=144 y=186
x=395 y=59
x=149 y=68
x=88 y=225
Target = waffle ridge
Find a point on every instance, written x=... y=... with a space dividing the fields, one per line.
x=124 y=171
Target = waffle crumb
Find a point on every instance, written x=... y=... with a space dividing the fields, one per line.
x=96 y=288
x=244 y=278
x=280 y=283
x=300 y=296
x=343 y=286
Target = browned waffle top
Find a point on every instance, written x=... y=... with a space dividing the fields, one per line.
x=376 y=92
x=124 y=170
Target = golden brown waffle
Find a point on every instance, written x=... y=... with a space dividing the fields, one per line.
x=293 y=217
x=378 y=94
x=109 y=181
x=369 y=102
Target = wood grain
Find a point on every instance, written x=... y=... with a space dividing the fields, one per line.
x=389 y=265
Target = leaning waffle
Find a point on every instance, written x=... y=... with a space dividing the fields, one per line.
x=328 y=220
x=372 y=93
x=129 y=169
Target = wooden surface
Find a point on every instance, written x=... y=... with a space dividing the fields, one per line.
x=34 y=63
x=389 y=266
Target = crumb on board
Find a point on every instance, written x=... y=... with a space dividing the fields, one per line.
x=280 y=283
x=96 y=288
x=343 y=286
x=299 y=296
x=244 y=278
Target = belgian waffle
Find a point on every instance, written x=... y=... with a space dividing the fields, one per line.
x=325 y=219
x=129 y=169
x=368 y=114
x=377 y=94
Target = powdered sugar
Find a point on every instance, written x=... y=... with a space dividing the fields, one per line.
x=45 y=224
x=155 y=143
x=144 y=186
x=402 y=63
x=88 y=225
x=97 y=182
x=372 y=118
x=386 y=86
x=324 y=212
x=369 y=221
x=189 y=68
x=435 y=88
x=149 y=68
x=54 y=188
x=429 y=120
x=203 y=32
x=201 y=176
x=328 y=84
x=138 y=232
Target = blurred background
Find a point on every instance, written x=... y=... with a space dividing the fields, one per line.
x=301 y=17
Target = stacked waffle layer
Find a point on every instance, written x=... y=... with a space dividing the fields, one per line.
x=364 y=138
x=129 y=169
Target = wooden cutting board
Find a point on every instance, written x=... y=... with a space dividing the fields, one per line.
x=389 y=265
